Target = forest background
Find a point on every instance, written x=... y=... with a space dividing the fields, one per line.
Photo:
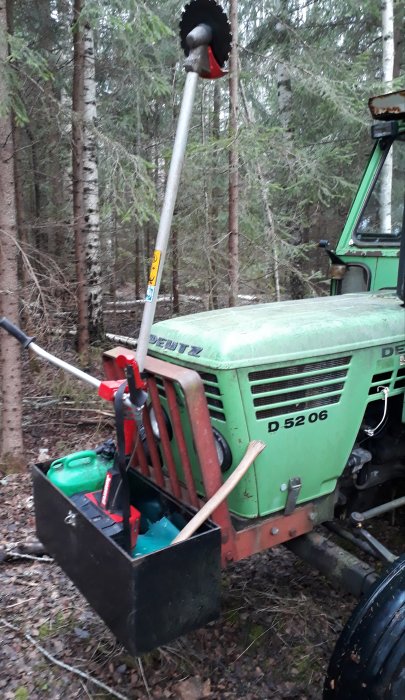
x=89 y=97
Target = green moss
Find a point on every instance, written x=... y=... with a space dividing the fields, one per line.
x=305 y=663
x=21 y=693
x=51 y=628
x=255 y=632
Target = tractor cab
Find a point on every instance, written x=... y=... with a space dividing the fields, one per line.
x=368 y=252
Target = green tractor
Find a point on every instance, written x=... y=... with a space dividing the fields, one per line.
x=319 y=383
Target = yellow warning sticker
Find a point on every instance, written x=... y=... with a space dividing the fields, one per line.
x=154 y=268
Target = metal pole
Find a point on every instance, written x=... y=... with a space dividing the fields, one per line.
x=79 y=374
x=65 y=365
x=169 y=202
x=378 y=510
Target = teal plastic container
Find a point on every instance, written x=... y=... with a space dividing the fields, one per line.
x=80 y=471
x=159 y=535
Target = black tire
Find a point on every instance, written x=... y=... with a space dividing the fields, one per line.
x=368 y=662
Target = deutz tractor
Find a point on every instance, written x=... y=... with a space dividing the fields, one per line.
x=251 y=427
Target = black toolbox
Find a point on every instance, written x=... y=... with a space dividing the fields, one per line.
x=147 y=601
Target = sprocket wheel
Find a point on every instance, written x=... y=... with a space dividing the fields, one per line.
x=207 y=12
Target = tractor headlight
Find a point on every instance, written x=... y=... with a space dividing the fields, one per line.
x=155 y=425
x=223 y=451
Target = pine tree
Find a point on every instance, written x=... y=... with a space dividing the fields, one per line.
x=10 y=366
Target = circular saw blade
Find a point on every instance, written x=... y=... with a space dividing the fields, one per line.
x=207 y=12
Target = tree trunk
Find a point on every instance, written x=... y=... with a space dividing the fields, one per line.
x=48 y=175
x=10 y=360
x=77 y=178
x=215 y=195
x=272 y=250
x=139 y=233
x=175 y=271
x=283 y=79
x=66 y=177
x=399 y=12
x=91 y=214
x=19 y=174
x=137 y=267
x=293 y=282
x=284 y=95
x=233 y=219
x=36 y=205
x=387 y=21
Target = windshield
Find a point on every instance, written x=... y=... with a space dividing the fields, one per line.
x=382 y=219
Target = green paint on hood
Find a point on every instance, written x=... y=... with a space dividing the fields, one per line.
x=242 y=336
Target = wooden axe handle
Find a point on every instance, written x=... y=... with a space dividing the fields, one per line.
x=253 y=450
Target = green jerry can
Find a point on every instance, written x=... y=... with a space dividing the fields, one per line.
x=80 y=471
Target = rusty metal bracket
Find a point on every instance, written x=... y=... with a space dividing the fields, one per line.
x=294 y=488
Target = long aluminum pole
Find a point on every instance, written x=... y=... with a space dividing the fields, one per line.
x=166 y=218
x=64 y=365
x=76 y=372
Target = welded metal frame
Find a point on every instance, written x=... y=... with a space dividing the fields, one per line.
x=240 y=538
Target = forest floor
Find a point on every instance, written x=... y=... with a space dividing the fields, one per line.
x=279 y=621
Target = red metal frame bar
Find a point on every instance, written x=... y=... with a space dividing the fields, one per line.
x=164 y=437
x=181 y=442
x=257 y=535
x=153 y=450
x=139 y=452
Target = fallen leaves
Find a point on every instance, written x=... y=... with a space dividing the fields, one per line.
x=193 y=688
x=273 y=641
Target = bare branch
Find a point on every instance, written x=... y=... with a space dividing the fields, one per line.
x=67 y=667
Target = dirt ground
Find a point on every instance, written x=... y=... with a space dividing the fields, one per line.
x=278 y=626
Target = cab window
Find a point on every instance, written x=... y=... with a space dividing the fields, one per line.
x=381 y=221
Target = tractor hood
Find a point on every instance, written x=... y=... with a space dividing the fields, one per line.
x=276 y=332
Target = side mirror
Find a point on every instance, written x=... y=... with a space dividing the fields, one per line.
x=338 y=267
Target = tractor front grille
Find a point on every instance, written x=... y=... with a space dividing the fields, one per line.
x=395 y=381
x=379 y=380
x=212 y=393
x=400 y=379
x=282 y=390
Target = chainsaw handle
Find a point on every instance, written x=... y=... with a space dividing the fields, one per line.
x=22 y=338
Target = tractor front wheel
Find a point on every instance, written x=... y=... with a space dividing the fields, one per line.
x=368 y=662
